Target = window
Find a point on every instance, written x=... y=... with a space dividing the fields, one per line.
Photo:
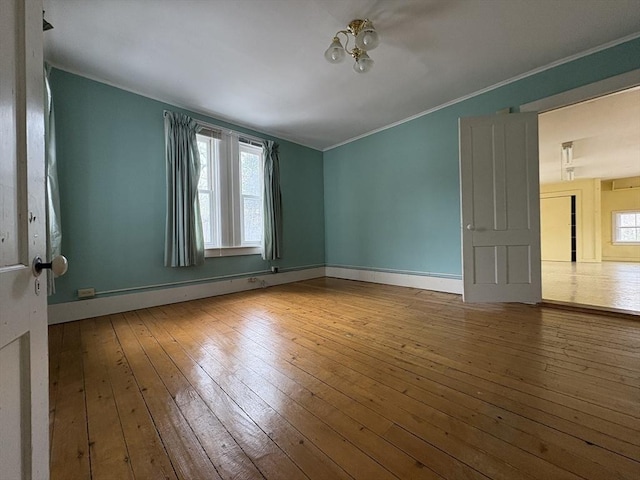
x=626 y=227
x=230 y=192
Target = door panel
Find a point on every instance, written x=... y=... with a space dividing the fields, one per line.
x=517 y=170
x=11 y=411
x=23 y=321
x=500 y=208
x=518 y=260
x=9 y=243
x=484 y=262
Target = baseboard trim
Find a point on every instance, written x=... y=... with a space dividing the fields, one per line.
x=96 y=307
x=424 y=282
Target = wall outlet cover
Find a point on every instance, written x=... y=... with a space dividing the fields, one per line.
x=86 y=292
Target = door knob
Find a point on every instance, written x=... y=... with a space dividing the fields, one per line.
x=471 y=228
x=59 y=265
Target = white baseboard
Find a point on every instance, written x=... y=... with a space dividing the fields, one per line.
x=424 y=282
x=96 y=307
x=621 y=259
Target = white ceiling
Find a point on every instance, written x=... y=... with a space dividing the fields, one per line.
x=259 y=63
x=605 y=133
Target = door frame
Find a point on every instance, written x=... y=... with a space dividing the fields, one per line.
x=584 y=93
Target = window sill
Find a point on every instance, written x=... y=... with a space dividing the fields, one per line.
x=231 y=251
x=620 y=244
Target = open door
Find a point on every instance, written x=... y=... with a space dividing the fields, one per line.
x=500 y=203
x=24 y=435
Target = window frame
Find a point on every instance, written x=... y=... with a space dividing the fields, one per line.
x=615 y=227
x=226 y=190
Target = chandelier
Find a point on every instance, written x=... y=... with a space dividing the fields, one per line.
x=366 y=38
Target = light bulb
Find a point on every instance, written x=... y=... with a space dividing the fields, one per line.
x=367 y=38
x=363 y=63
x=335 y=52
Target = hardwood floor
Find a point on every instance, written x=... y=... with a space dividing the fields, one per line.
x=334 y=379
x=608 y=285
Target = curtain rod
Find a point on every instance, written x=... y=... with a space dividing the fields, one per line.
x=222 y=129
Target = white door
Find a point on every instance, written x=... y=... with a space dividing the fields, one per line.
x=24 y=435
x=500 y=203
x=555 y=229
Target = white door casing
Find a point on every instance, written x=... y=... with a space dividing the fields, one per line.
x=24 y=437
x=500 y=203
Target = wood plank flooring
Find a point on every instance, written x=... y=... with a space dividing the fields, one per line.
x=613 y=286
x=334 y=379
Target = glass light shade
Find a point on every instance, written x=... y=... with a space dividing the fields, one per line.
x=568 y=174
x=367 y=39
x=335 y=52
x=363 y=64
x=567 y=153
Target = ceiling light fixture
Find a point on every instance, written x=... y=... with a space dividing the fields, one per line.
x=567 y=168
x=366 y=38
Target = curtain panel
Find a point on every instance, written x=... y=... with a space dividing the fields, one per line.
x=184 y=241
x=52 y=198
x=272 y=240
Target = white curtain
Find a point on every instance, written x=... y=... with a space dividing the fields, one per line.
x=54 y=229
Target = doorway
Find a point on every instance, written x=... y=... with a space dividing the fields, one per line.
x=581 y=262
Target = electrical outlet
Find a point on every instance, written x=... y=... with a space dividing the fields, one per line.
x=86 y=292
x=274 y=269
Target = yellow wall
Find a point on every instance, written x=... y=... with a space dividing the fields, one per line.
x=588 y=215
x=616 y=200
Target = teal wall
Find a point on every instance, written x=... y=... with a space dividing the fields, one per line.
x=110 y=150
x=392 y=199
x=389 y=201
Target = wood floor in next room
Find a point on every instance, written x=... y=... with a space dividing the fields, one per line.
x=333 y=379
x=613 y=286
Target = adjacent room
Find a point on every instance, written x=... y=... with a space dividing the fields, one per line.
x=320 y=239
x=589 y=202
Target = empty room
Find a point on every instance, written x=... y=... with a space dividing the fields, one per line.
x=307 y=239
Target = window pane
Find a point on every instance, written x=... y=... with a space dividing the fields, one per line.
x=203 y=148
x=629 y=234
x=626 y=219
x=250 y=165
x=205 y=215
x=252 y=219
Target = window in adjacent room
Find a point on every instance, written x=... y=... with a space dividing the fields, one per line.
x=230 y=192
x=626 y=227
